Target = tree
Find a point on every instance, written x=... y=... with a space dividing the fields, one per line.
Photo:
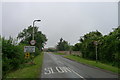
x=26 y=36
x=108 y=46
x=87 y=47
x=63 y=45
x=76 y=47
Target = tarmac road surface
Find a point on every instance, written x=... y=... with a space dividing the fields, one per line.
x=56 y=66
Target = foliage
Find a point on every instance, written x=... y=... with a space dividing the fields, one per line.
x=86 y=45
x=76 y=47
x=29 y=71
x=108 y=47
x=51 y=50
x=63 y=45
x=12 y=56
x=26 y=36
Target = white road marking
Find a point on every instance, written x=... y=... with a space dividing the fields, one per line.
x=57 y=69
x=47 y=71
x=66 y=69
x=51 y=70
x=61 y=70
x=77 y=74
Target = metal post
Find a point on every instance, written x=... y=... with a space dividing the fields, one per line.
x=33 y=36
x=96 y=43
x=33 y=30
x=96 y=53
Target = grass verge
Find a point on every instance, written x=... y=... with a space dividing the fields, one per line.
x=93 y=63
x=59 y=53
x=29 y=71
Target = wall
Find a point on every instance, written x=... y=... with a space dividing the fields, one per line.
x=71 y=52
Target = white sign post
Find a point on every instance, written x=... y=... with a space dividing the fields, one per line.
x=96 y=43
x=29 y=48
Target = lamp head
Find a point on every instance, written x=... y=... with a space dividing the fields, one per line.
x=38 y=20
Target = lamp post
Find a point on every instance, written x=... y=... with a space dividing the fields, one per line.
x=33 y=27
x=33 y=41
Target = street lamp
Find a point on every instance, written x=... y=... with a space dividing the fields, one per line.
x=33 y=27
x=33 y=41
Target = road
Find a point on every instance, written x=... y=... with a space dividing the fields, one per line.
x=56 y=66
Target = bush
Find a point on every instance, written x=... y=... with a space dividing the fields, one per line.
x=12 y=57
x=108 y=48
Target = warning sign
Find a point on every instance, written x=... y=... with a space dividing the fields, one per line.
x=29 y=48
x=27 y=55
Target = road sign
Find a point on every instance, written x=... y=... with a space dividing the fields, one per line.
x=27 y=55
x=29 y=48
x=95 y=43
x=32 y=42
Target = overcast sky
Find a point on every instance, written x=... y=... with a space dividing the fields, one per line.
x=62 y=19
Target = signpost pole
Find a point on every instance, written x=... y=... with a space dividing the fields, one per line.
x=96 y=43
x=96 y=54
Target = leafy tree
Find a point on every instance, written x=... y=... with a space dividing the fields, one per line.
x=108 y=46
x=87 y=47
x=51 y=50
x=63 y=45
x=76 y=47
x=26 y=36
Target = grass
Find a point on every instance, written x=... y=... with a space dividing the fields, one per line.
x=59 y=53
x=93 y=63
x=29 y=71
